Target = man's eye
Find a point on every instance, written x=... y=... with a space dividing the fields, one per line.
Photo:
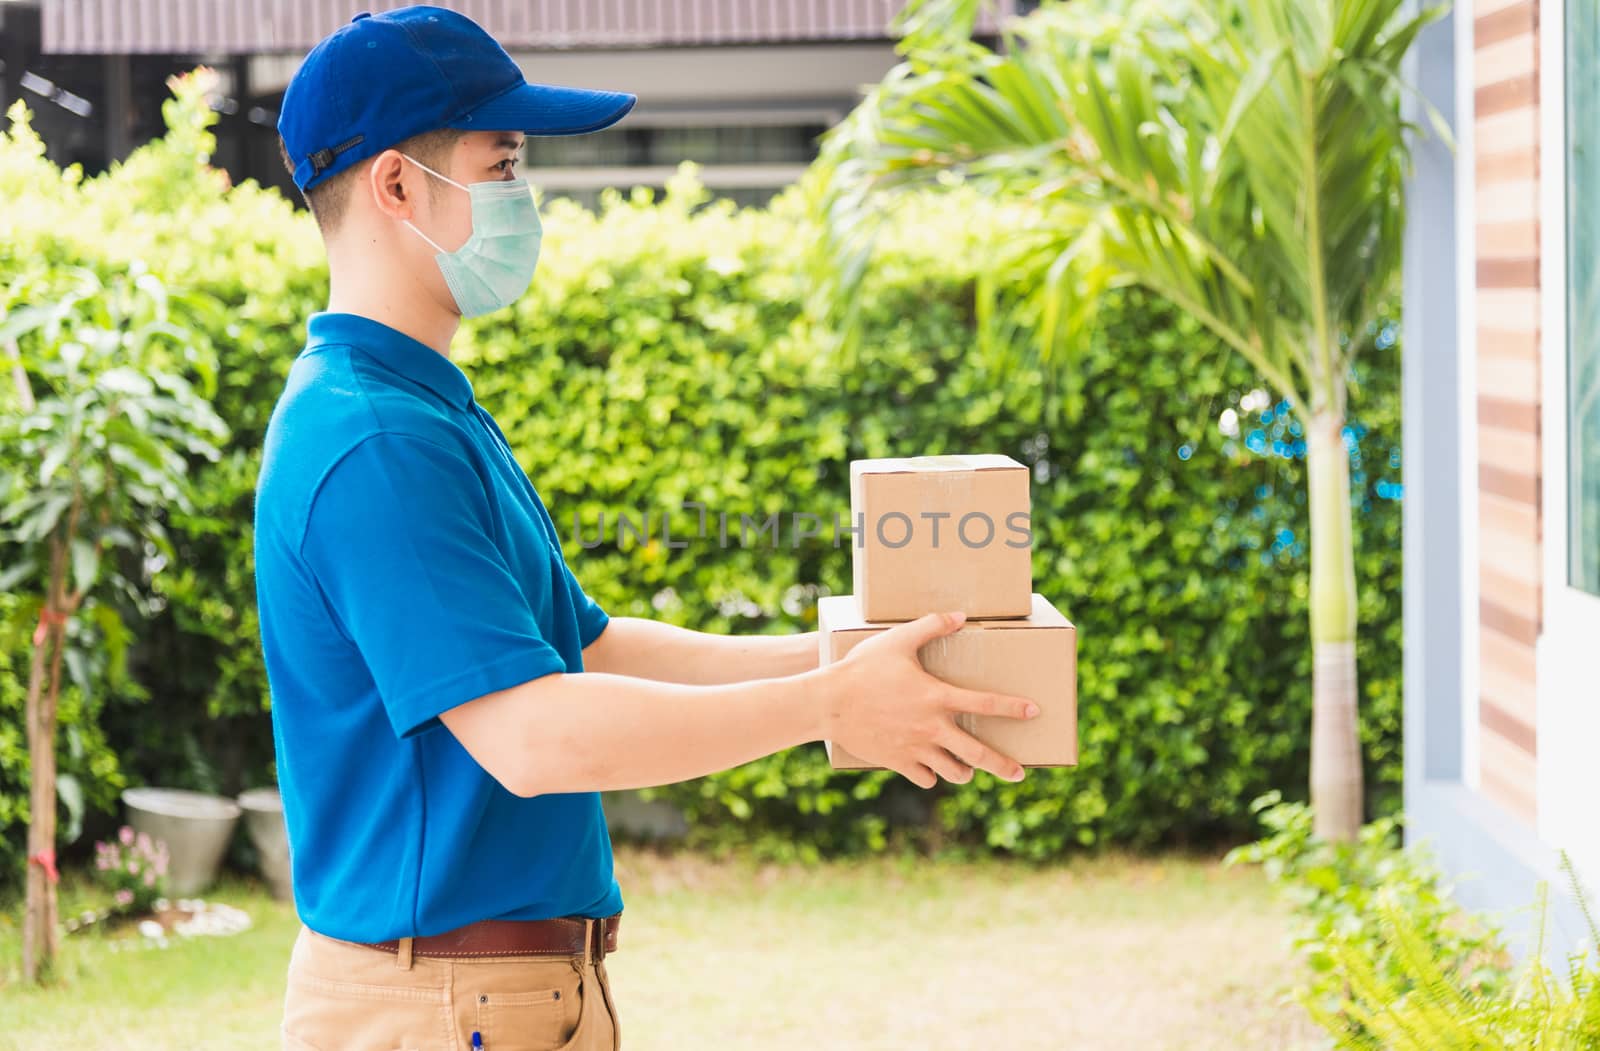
x=507 y=164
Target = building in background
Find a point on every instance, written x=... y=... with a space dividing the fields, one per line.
x=72 y=95
x=742 y=87
x=1502 y=453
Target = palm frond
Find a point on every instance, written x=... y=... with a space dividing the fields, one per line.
x=1244 y=159
x=925 y=26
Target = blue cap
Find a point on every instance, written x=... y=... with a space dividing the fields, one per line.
x=384 y=78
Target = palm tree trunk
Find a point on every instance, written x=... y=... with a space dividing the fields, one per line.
x=1336 y=791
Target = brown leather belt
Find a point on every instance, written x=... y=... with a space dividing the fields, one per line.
x=562 y=936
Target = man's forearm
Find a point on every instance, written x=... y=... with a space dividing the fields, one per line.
x=648 y=649
x=596 y=732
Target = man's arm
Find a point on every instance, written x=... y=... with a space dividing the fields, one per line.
x=441 y=622
x=597 y=731
x=648 y=649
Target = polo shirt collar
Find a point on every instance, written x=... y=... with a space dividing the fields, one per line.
x=392 y=349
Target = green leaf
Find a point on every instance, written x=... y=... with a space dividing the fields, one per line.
x=54 y=457
x=85 y=565
x=77 y=662
x=126 y=381
x=22 y=321
x=70 y=792
x=1243 y=98
x=41 y=521
x=114 y=636
x=16 y=573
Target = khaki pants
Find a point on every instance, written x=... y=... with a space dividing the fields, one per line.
x=346 y=997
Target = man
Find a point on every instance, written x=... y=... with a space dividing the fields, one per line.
x=447 y=702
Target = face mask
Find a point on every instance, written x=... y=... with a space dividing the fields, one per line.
x=496 y=264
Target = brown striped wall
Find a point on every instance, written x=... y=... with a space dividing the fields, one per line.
x=1506 y=221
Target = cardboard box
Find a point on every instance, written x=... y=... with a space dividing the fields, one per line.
x=941 y=533
x=1034 y=657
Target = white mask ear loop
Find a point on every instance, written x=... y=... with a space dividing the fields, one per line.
x=435 y=174
x=434 y=244
x=446 y=178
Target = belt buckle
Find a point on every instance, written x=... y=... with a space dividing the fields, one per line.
x=599 y=938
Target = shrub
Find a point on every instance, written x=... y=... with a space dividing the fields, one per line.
x=662 y=356
x=1346 y=897
x=1427 y=1006
x=1397 y=965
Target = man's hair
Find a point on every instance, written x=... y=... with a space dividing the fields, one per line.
x=327 y=200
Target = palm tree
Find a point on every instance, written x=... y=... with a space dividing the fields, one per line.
x=1244 y=159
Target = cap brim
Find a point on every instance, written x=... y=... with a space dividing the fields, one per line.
x=544 y=109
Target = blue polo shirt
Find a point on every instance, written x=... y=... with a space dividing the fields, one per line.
x=405 y=565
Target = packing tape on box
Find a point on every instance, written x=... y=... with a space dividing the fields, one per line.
x=942 y=462
x=950 y=462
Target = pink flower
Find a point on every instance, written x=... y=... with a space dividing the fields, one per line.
x=149 y=879
x=161 y=865
x=126 y=835
x=145 y=846
x=133 y=866
x=102 y=864
x=124 y=898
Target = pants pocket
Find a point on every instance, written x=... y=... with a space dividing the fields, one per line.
x=321 y=1013
x=547 y=1014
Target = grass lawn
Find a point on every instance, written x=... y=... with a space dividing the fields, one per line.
x=1104 y=953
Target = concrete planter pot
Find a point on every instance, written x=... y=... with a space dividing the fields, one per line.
x=263 y=819
x=195 y=827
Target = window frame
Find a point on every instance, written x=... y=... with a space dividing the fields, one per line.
x=1568 y=698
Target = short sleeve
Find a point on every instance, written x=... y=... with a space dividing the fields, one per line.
x=399 y=538
x=592 y=620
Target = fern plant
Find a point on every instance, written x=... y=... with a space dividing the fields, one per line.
x=1339 y=892
x=1425 y=1007
x=1394 y=962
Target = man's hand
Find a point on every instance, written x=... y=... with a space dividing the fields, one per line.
x=884 y=707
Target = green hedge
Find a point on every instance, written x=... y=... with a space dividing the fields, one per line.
x=662 y=357
x=246 y=269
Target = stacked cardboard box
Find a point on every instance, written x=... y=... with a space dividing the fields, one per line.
x=935 y=534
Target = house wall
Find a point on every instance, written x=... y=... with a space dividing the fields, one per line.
x=1505 y=157
x=1481 y=306
x=234 y=27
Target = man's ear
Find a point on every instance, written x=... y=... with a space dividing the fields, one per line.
x=393 y=184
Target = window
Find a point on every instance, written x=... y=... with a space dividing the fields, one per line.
x=756 y=197
x=1583 y=297
x=628 y=146
x=747 y=163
